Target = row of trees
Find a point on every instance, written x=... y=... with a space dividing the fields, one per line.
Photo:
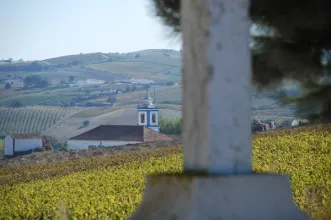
x=170 y=126
x=29 y=67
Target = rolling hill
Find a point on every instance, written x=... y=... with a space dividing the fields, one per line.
x=83 y=58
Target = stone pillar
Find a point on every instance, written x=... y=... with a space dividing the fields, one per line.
x=217 y=182
x=217 y=82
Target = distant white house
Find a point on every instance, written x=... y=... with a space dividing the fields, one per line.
x=15 y=82
x=15 y=143
x=87 y=82
x=141 y=81
x=299 y=122
x=115 y=135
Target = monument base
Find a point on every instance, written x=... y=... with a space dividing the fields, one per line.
x=233 y=197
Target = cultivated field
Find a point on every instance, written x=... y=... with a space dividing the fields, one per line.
x=152 y=64
x=31 y=119
x=111 y=187
x=84 y=58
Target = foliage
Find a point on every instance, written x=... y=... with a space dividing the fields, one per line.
x=16 y=104
x=71 y=79
x=2 y=148
x=7 y=85
x=35 y=81
x=111 y=187
x=16 y=175
x=295 y=39
x=30 y=119
x=112 y=99
x=64 y=146
x=56 y=143
x=170 y=126
x=170 y=83
x=27 y=67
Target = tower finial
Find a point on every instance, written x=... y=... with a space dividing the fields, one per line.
x=154 y=97
x=138 y=98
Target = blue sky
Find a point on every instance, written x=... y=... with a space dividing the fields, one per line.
x=40 y=29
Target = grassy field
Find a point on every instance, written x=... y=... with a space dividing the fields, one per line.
x=53 y=96
x=85 y=58
x=31 y=119
x=111 y=187
x=158 y=65
x=141 y=69
x=168 y=93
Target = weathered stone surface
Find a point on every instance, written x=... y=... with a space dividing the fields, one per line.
x=235 y=197
x=217 y=86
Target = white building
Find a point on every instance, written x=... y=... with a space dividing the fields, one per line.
x=88 y=82
x=146 y=130
x=15 y=81
x=16 y=143
x=115 y=135
x=141 y=81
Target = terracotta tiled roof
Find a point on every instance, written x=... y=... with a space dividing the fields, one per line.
x=151 y=135
x=121 y=133
x=25 y=135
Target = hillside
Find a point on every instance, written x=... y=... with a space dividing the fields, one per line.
x=31 y=119
x=112 y=186
x=160 y=65
x=82 y=58
x=162 y=95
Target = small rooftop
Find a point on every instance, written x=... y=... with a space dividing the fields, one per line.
x=25 y=135
x=121 y=133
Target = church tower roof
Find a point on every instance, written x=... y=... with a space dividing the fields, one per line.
x=147 y=101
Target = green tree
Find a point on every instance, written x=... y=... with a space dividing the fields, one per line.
x=294 y=37
x=16 y=104
x=35 y=81
x=112 y=99
x=71 y=79
x=7 y=85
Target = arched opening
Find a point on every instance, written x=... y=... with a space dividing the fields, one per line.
x=142 y=118
x=153 y=118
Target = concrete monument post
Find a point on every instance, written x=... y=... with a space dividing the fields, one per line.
x=217 y=182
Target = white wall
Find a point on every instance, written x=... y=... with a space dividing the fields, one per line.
x=8 y=146
x=21 y=145
x=82 y=144
x=27 y=144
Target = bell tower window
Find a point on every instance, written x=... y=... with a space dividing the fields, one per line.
x=142 y=118
x=153 y=118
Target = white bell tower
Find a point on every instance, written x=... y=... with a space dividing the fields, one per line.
x=148 y=112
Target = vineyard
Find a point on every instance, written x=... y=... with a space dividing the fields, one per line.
x=30 y=119
x=111 y=187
